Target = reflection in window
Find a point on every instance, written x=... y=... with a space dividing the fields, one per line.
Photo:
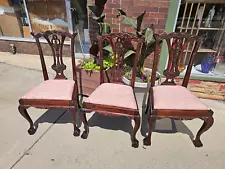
x=208 y=21
x=47 y=15
x=13 y=19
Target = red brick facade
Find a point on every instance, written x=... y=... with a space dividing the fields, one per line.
x=156 y=13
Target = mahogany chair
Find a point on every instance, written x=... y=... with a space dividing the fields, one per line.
x=174 y=101
x=116 y=98
x=57 y=93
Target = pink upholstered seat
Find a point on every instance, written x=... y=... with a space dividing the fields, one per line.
x=176 y=97
x=113 y=95
x=52 y=90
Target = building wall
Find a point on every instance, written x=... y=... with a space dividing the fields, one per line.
x=156 y=13
x=30 y=48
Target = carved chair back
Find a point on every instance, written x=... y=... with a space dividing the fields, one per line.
x=177 y=44
x=120 y=43
x=56 y=40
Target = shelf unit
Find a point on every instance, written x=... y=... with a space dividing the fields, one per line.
x=203 y=51
x=192 y=18
x=209 y=29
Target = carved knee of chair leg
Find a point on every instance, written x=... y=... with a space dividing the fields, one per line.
x=135 y=142
x=208 y=122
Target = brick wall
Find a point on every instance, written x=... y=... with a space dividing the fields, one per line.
x=156 y=13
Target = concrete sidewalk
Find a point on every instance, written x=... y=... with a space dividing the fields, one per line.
x=108 y=145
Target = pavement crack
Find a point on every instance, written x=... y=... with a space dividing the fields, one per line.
x=27 y=151
x=4 y=71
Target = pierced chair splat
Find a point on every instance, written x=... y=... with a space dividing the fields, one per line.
x=116 y=98
x=170 y=100
x=56 y=93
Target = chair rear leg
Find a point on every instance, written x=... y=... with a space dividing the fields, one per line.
x=86 y=127
x=208 y=122
x=76 y=131
x=135 y=142
x=147 y=107
x=151 y=124
x=25 y=114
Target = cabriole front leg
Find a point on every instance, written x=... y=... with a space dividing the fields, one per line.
x=151 y=123
x=135 y=142
x=76 y=131
x=25 y=114
x=208 y=122
x=86 y=127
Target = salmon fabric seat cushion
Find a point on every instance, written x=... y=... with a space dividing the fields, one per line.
x=52 y=90
x=111 y=94
x=176 y=97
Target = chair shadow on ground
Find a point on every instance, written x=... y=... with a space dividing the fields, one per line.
x=62 y=116
x=111 y=122
x=56 y=116
x=162 y=125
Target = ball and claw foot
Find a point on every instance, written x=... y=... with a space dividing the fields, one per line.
x=146 y=142
x=84 y=135
x=135 y=143
x=32 y=131
x=76 y=132
x=197 y=143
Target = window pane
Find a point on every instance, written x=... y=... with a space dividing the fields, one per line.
x=47 y=15
x=208 y=21
x=80 y=25
x=13 y=19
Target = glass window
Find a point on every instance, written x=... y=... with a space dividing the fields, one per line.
x=80 y=25
x=18 y=19
x=206 y=20
x=13 y=19
x=47 y=15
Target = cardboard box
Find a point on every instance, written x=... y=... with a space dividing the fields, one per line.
x=4 y=3
x=26 y=32
x=11 y=25
x=47 y=15
x=39 y=25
